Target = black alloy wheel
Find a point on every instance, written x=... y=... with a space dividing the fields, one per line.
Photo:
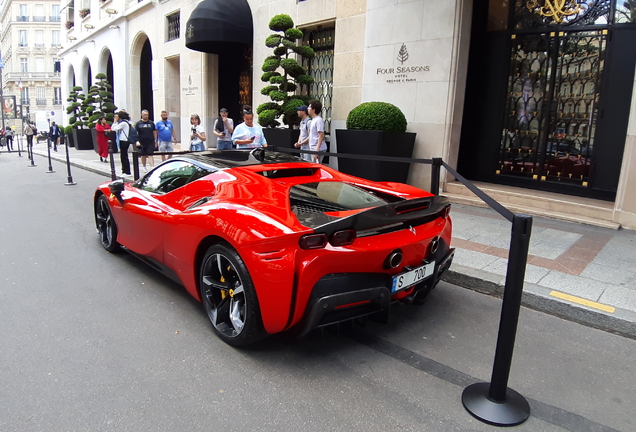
x=105 y=223
x=229 y=297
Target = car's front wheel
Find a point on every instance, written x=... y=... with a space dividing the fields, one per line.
x=229 y=297
x=106 y=227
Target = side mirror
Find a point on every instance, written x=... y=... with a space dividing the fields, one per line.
x=116 y=188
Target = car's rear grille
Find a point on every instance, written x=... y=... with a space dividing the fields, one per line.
x=304 y=208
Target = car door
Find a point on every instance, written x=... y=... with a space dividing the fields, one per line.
x=149 y=208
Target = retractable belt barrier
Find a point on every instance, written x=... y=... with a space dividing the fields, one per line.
x=493 y=403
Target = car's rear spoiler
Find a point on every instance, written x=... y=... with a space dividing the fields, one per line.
x=382 y=219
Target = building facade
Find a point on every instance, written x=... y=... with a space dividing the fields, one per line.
x=517 y=93
x=30 y=42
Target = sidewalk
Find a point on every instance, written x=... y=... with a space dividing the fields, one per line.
x=582 y=273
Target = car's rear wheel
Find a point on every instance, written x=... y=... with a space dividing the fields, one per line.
x=229 y=297
x=105 y=223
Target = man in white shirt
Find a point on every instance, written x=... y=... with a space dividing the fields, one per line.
x=303 y=139
x=316 y=130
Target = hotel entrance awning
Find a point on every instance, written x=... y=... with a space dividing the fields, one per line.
x=216 y=25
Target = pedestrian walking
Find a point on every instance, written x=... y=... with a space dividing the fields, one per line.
x=316 y=130
x=29 y=131
x=54 y=134
x=303 y=139
x=102 y=127
x=248 y=134
x=197 y=137
x=122 y=127
x=223 y=128
x=165 y=135
x=8 y=135
x=147 y=139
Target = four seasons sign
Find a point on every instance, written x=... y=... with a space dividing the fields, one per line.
x=403 y=74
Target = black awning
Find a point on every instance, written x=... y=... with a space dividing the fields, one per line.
x=215 y=24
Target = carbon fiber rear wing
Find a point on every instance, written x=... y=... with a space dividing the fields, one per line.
x=382 y=219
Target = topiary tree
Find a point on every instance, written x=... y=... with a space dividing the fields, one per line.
x=75 y=108
x=101 y=97
x=283 y=73
x=380 y=116
x=87 y=107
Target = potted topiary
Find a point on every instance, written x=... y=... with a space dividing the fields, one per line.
x=68 y=136
x=378 y=129
x=76 y=109
x=284 y=75
x=101 y=96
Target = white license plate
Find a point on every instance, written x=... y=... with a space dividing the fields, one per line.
x=411 y=277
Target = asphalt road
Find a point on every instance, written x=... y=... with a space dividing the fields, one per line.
x=91 y=341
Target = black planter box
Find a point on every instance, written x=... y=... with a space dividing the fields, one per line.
x=68 y=139
x=83 y=139
x=375 y=143
x=285 y=138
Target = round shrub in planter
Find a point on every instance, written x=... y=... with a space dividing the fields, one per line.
x=380 y=116
x=377 y=129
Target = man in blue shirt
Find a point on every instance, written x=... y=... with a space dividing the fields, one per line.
x=54 y=133
x=165 y=135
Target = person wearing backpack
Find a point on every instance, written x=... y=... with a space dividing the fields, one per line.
x=125 y=135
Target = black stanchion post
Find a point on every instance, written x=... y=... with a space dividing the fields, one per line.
x=17 y=141
x=495 y=403
x=135 y=156
x=69 y=181
x=48 y=144
x=111 y=158
x=435 y=173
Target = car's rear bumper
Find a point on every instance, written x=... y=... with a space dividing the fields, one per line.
x=345 y=296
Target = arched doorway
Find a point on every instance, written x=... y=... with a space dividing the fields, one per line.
x=226 y=29
x=145 y=79
x=85 y=75
x=141 y=94
x=106 y=66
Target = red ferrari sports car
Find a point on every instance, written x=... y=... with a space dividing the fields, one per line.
x=271 y=243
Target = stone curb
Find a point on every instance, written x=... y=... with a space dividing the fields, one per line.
x=622 y=322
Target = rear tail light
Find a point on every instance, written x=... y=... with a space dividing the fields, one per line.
x=319 y=241
x=313 y=241
x=343 y=238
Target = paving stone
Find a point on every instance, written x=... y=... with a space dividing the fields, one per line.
x=613 y=276
x=575 y=285
x=533 y=273
x=473 y=259
x=621 y=297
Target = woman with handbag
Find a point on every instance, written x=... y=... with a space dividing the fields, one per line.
x=102 y=128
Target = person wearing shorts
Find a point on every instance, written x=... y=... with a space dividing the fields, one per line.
x=165 y=135
x=147 y=139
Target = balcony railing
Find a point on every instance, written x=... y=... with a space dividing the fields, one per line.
x=17 y=76
x=39 y=18
x=57 y=101
x=22 y=18
x=39 y=45
x=23 y=44
x=55 y=19
x=25 y=101
x=56 y=45
x=40 y=101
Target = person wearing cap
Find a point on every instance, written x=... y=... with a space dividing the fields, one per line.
x=223 y=128
x=303 y=139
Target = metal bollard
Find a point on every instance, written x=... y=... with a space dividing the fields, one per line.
x=435 y=173
x=69 y=181
x=48 y=145
x=30 y=148
x=111 y=159
x=135 y=156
